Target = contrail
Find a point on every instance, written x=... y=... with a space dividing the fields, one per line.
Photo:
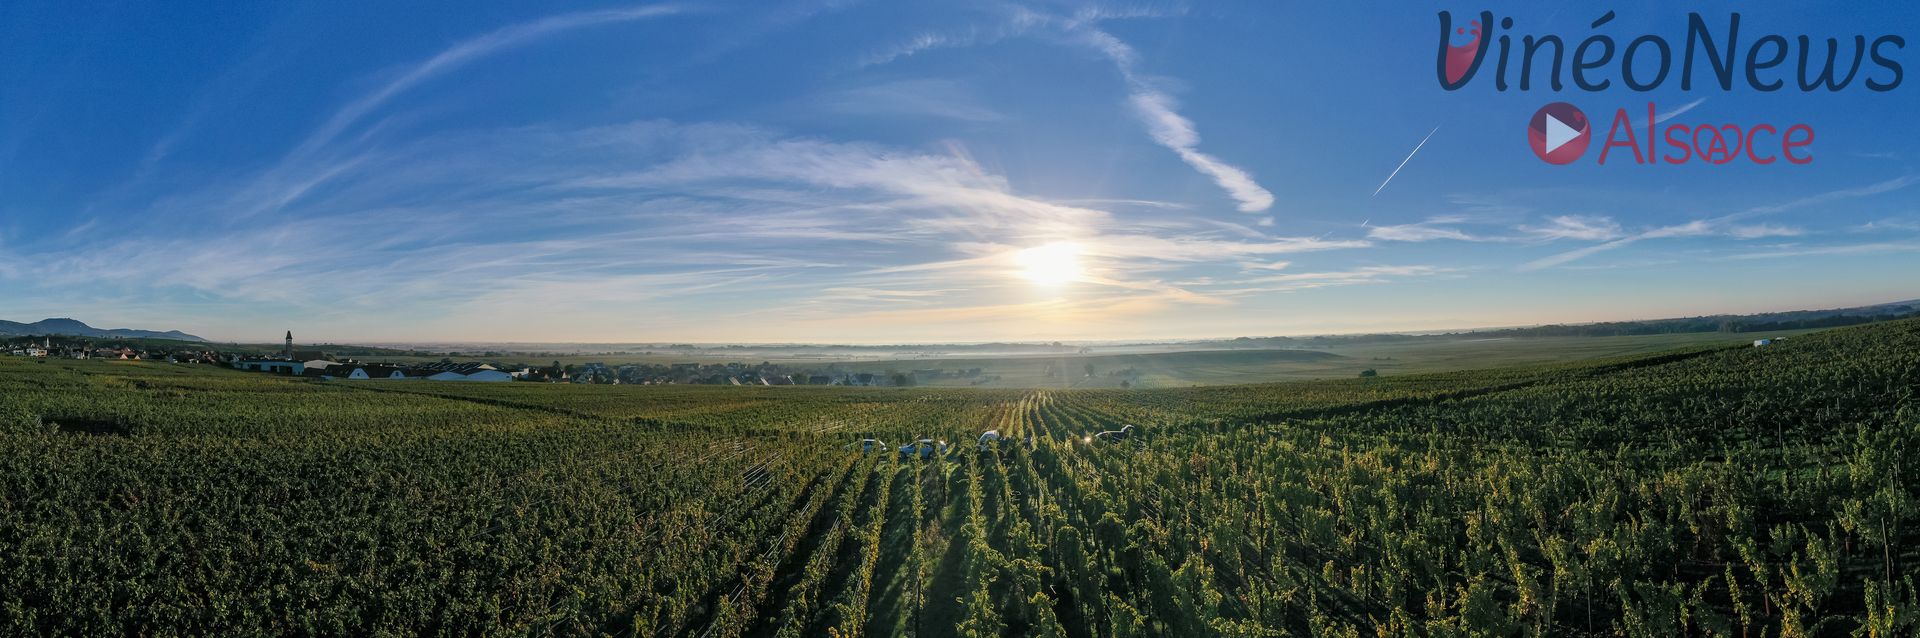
x=1403 y=163
x=1676 y=112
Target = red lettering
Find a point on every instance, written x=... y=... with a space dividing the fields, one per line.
x=1787 y=144
x=1621 y=122
x=1652 y=141
x=1676 y=137
x=1716 y=151
x=1749 y=144
x=1719 y=145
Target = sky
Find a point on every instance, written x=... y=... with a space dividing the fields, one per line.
x=903 y=171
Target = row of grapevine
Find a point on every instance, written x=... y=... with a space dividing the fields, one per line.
x=1749 y=492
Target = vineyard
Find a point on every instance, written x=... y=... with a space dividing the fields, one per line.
x=1726 y=491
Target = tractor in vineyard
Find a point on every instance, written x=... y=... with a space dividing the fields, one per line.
x=1113 y=435
x=989 y=437
x=925 y=448
x=867 y=445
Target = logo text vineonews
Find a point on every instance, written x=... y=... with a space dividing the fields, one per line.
x=1558 y=133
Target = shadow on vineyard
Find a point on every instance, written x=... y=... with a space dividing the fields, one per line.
x=1730 y=491
x=94 y=427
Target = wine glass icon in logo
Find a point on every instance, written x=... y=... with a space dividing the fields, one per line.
x=1464 y=56
x=1559 y=133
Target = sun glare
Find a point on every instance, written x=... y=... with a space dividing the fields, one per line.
x=1050 y=264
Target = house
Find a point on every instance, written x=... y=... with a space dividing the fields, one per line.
x=357 y=372
x=450 y=366
x=447 y=375
x=383 y=372
x=276 y=366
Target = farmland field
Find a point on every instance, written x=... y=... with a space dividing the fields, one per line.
x=1703 y=489
x=1167 y=365
x=1214 y=367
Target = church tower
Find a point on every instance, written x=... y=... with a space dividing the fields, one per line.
x=289 y=352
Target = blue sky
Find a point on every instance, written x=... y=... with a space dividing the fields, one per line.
x=852 y=171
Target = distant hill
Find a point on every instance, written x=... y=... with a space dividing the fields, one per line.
x=76 y=328
x=1761 y=322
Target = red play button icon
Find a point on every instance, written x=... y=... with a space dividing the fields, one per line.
x=1559 y=133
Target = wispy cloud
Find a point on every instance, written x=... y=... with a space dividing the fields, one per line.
x=466 y=52
x=311 y=162
x=935 y=98
x=1156 y=108
x=1429 y=230
x=1876 y=188
x=1757 y=231
x=1895 y=224
x=1013 y=21
x=1844 y=249
x=1293 y=282
x=1723 y=223
x=644 y=203
x=735 y=218
x=1168 y=128
x=1689 y=229
x=1576 y=227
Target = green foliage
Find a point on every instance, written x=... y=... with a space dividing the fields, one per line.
x=1745 y=491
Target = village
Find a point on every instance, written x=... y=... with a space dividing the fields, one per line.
x=326 y=366
x=60 y=347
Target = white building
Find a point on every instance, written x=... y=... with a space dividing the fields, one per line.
x=277 y=366
x=356 y=372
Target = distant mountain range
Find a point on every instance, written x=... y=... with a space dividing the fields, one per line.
x=75 y=328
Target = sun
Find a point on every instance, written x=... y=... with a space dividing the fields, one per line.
x=1050 y=264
